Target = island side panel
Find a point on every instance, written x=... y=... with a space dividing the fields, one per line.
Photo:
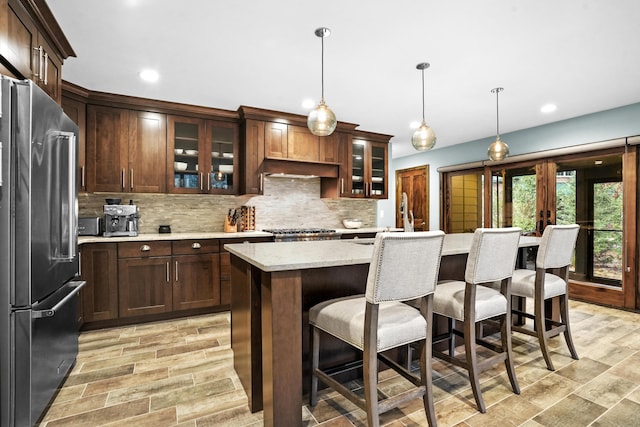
x=282 y=348
x=246 y=329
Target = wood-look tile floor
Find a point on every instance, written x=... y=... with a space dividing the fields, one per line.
x=180 y=373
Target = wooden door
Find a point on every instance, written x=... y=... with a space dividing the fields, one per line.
x=196 y=281
x=77 y=111
x=302 y=144
x=144 y=286
x=414 y=182
x=107 y=149
x=22 y=38
x=330 y=147
x=253 y=156
x=51 y=75
x=275 y=140
x=147 y=152
x=99 y=268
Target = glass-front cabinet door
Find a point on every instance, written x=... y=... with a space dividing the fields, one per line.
x=222 y=137
x=369 y=169
x=201 y=156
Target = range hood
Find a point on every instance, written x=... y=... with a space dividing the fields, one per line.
x=297 y=169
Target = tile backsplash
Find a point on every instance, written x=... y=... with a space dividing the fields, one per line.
x=285 y=202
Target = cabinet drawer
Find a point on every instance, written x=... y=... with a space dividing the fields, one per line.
x=195 y=246
x=143 y=249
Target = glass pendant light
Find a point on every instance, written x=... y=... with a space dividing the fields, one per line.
x=424 y=138
x=322 y=121
x=498 y=150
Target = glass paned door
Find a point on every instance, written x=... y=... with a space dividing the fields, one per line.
x=605 y=240
x=514 y=199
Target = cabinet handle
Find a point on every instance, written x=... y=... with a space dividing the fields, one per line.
x=261 y=181
x=208 y=182
x=123 y=172
x=341 y=185
x=177 y=280
x=196 y=245
x=201 y=182
x=82 y=173
x=131 y=179
x=167 y=269
x=46 y=67
x=145 y=248
x=79 y=264
x=39 y=65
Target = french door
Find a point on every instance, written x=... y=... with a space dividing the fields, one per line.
x=595 y=190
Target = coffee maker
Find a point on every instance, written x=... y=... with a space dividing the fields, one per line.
x=120 y=220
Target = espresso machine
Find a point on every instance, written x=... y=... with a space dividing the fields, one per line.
x=120 y=220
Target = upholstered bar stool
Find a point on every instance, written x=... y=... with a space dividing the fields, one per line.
x=492 y=258
x=549 y=280
x=404 y=266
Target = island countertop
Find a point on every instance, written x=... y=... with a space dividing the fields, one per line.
x=283 y=256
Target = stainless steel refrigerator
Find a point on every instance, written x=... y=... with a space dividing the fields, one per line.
x=38 y=250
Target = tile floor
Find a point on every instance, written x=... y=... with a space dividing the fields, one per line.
x=180 y=373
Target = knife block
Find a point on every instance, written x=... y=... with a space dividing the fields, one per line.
x=228 y=228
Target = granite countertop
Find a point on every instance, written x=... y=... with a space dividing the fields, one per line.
x=172 y=236
x=282 y=256
x=209 y=235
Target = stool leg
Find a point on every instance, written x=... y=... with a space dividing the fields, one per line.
x=564 y=312
x=315 y=352
x=505 y=332
x=472 y=365
x=540 y=328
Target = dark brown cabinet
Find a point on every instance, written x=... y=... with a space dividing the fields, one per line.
x=144 y=278
x=98 y=267
x=126 y=150
x=369 y=166
x=201 y=156
x=27 y=49
x=196 y=274
x=77 y=111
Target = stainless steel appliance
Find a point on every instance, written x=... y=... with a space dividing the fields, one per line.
x=89 y=226
x=302 y=234
x=38 y=250
x=120 y=220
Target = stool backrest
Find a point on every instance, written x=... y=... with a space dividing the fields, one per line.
x=557 y=245
x=493 y=254
x=404 y=266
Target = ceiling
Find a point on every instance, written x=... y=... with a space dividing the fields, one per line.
x=582 y=55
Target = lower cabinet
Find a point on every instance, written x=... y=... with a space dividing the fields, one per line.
x=144 y=278
x=99 y=297
x=196 y=274
x=128 y=280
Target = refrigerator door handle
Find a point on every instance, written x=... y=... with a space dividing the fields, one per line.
x=0 y=157
x=71 y=218
x=50 y=312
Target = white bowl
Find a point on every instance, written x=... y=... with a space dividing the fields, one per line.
x=178 y=151
x=215 y=153
x=227 y=155
x=191 y=152
x=352 y=223
x=226 y=168
x=180 y=166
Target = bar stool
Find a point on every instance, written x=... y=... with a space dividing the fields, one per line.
x=404 y=266
x=492 y=258
x=550 y=279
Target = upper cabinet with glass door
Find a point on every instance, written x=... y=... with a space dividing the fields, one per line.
x=369 y=166
x=201 y=156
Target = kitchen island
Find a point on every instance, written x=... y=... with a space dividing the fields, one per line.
x=273 y=285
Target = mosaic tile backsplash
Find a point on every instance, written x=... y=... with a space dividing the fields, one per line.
x=285 y=203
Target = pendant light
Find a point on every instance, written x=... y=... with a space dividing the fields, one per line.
x=498 y=150
x=424 y=138
x=322 y=121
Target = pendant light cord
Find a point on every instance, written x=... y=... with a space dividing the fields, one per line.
x=423 y=121
x=322 y=69
x=497 y=91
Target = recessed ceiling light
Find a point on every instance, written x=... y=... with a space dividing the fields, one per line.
x=308 y=104
x=149 y=76
x=414 y=125
x=548 y=108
